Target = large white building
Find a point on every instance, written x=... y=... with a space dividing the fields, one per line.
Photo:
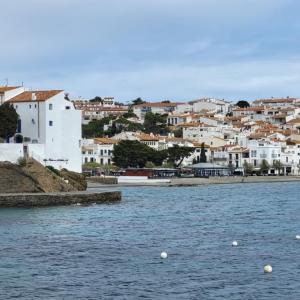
x=49 y=127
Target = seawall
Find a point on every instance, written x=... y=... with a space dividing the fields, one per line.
x=231 y=180
x=55 y=199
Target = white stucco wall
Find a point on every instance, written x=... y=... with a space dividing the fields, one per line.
x=11 y=152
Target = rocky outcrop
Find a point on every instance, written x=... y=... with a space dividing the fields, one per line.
x=32 y=177
x=76 y=180
x=14 y=180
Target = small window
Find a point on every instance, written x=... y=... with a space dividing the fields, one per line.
x=68 y=107
x=50 y=123
x=29 y=106
x=50 y=106
x=34 y=105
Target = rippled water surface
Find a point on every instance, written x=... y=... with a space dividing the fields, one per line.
x=113 y=251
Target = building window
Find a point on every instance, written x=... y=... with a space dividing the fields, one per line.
x=30 y=106
x=236 y=156
x=19 y=126
x=50 y=123
x=50 y=106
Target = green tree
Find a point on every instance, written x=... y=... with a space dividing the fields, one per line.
x=129 y=114
x=248 y=168
x=243 y=104
x=95 y=128
x=97 y=99
x=203 y=158
x=9 y=121
x=177 y=154
x=150 y=165
x=278 y=166
x=138 y=101
x=178 y=132
x=264 y=167
x=131 y=154
x=155 y=123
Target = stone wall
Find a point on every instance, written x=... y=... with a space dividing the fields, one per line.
x=55 y=199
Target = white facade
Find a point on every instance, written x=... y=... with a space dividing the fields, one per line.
x=260 y=150
x=196 y=133
x=51 y=128
x=93 y=151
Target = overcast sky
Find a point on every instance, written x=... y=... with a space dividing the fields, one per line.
x=154 y=49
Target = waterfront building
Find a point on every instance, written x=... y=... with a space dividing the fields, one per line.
x=210 y=169
x=49 y=129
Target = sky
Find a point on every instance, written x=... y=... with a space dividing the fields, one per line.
x=176 y=50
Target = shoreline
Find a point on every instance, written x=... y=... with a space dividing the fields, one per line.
x=197 y=181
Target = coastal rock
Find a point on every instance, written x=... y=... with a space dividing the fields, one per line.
x=32 y=177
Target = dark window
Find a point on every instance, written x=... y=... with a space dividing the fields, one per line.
x=50 y=123
x=19 y=127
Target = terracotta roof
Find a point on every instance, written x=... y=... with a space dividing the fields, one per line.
x=157 y=104
x=294 y=121
x=147 y=137
x=4 y=89
x=251 y=108
x=105 y=141
x=40 y=96
x=276 y=100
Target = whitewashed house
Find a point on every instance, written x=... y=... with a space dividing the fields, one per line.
x=98 y=150
x=50 y=128
x=264 y=150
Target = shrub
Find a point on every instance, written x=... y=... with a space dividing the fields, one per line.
x=22 y=162
x=52 y=169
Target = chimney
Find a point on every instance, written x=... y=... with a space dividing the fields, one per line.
x=33 y=96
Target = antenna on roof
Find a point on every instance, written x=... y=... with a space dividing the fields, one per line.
x=6 y=81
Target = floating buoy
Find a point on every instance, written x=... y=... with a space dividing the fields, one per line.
x=78 y=204
x=297 y=237
x=235 y=243
x=164 y=255
x=268 y=269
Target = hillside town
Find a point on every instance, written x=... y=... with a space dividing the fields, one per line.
x=221 y=138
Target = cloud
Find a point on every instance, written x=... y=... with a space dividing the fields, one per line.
x=152 y=48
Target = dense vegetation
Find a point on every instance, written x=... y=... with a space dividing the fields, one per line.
x=135 y=154
x=9 y=121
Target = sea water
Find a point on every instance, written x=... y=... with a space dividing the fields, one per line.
x=113 y=251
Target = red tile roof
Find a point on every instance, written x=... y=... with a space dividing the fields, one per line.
x=40 y=96
x=4 y=89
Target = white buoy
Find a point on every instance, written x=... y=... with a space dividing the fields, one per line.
x=297 y=237
x=235 y=243
x=268 y=269
x=164 y=255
